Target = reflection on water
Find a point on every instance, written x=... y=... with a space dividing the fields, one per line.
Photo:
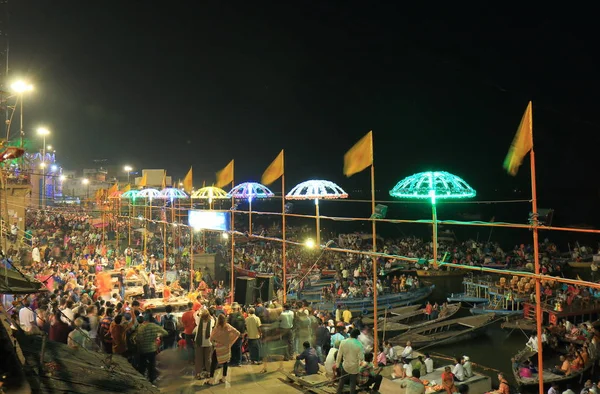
x=494 y=348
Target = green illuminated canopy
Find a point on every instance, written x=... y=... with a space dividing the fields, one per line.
x=433 y=185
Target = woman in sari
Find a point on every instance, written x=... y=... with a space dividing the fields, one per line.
x=222 y=336
x=448 y=381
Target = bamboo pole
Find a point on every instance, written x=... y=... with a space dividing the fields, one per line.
x=374 y=259
x=284 y=244
x=191 y=258
x=536 y=256
x=232 y=235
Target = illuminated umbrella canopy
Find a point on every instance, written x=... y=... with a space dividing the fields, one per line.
x=130 y=194
x=249 y=191
x=172 y=193
x=316 y=190
x=433 y=185
x=116 y=194
x=148 y=193
x=210 y=193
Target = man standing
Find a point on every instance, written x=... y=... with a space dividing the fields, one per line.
x=253 y=329
x=286 y=323
x=121 y=282
x=236 y=320
x=152 y=284
x=145 y=282
x=146 y=341
x=26 y=317
x=189 y=323
x=352 y=353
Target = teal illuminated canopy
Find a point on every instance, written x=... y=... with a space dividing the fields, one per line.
x=130 y=194
x=433 y=185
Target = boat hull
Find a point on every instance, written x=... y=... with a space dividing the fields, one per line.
x=468 y=299
x=499 y=312
x=364 y=306
x=439 y=273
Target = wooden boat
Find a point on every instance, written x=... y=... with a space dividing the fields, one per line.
x=446 y=332
x=469 y=299
x=400 y=311
x=439 y=273
x=364 y=305
x=413 y=320
x=485 y=309
x=579 y=264
x=519 y=322
x=550 y=358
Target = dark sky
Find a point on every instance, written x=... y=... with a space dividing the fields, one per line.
x=159 y=85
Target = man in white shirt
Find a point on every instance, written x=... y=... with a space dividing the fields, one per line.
x=26 y=317
x=352 y=353
x=330 y=360
x=407 y=352
x=35 y=255
x=459 y=370
x=67 y=313
x=467 y=366
x=152 y=284
x=428 y=363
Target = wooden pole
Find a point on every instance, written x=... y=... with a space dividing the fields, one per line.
x=283 y=246
x=374 y=259
x=191 y=257
x=165 y=253
x=232 y=237
x=536 y=256
x=318 y=223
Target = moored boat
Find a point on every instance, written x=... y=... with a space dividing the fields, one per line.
x=364 y=305
x=551 y=357
x=415 y=319
x=439 y=273
x=463 y=297
x=446 y=332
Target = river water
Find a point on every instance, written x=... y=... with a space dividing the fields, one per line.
x=494 y=347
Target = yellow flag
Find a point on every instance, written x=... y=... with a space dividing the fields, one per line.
x=522 y=143
x=360 y=156
x=164 y=181
x=143 y=181
x=225 y=176
x=187 y=182
x=274 y=171
x=127 y=188
x=113 y=189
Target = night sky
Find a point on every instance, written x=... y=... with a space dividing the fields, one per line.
x=159 y=85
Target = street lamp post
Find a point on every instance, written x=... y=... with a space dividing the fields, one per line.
x=86 y=182
x=43 y=132
x=128 y=170
x=20 y=87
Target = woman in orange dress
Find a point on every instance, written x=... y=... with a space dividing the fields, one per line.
x=448 y=381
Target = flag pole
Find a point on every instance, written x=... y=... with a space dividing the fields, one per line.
x=191 y=257
x=232 y=234
x=283 y=245
x=374 y=228
x=538 y=298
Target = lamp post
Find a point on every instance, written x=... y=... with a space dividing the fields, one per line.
x=43 y=132
x=86 y=182
x=128 y=170
x=20 y=87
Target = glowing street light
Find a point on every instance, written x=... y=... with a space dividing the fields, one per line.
x=309 y=243
x=224 y=235
x=63 y=178
x=128 y=170
x=86 y=182
x=49 y=147
x=43 y=132
x=21 y=87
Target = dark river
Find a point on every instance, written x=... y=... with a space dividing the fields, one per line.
x=493 y=348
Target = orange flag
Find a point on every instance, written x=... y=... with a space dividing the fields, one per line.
x=143 y=181
x=113 y=189
x=360 y=156
x=187 y=182
x=522 y=143
x=225 y=176
x=127 y=188
x=274 y=171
